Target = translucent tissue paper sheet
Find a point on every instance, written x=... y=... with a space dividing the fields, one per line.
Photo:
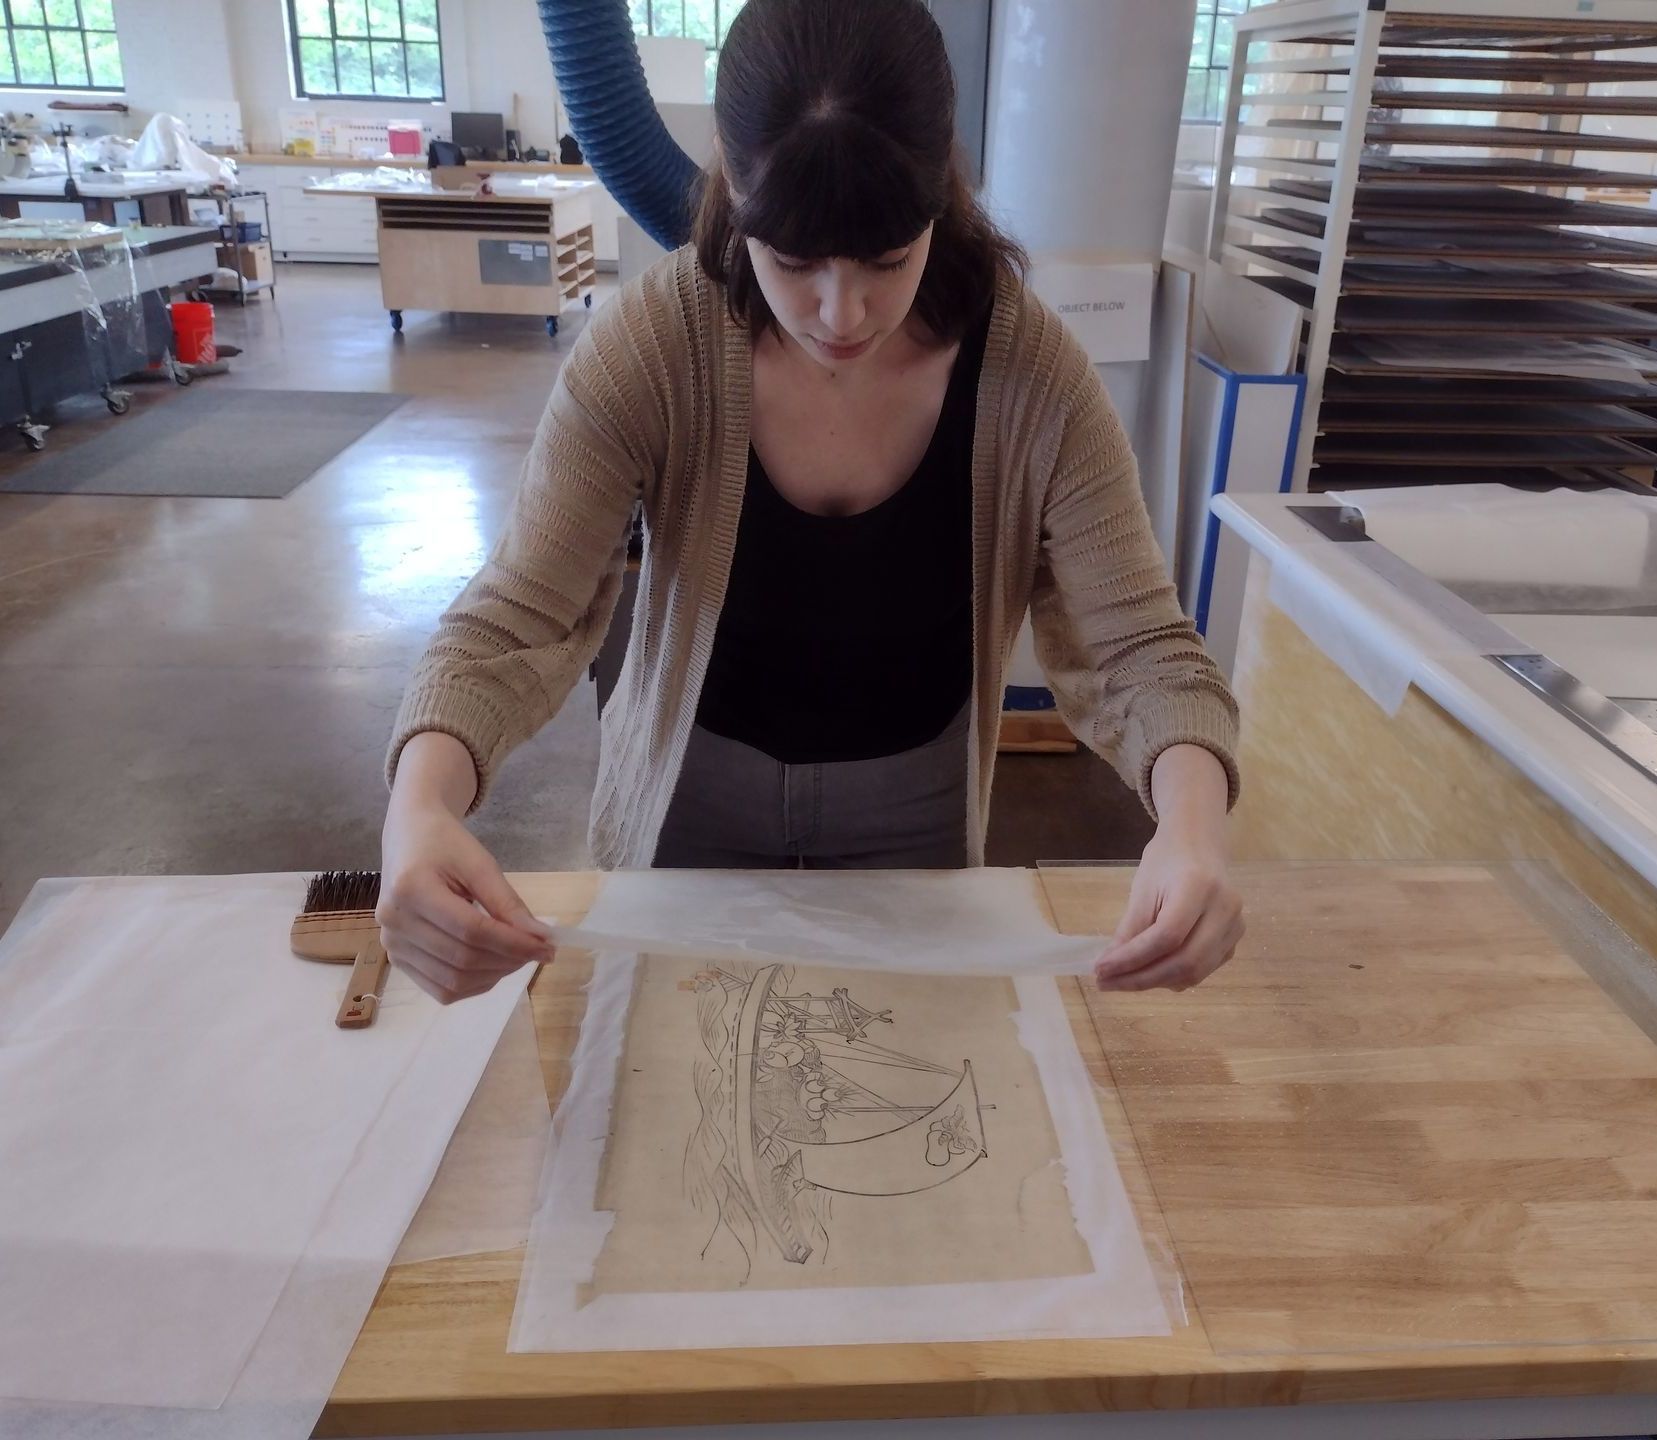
x=763 y=1154
x=940 y=922
x=204 y=1178
x=484 y=1192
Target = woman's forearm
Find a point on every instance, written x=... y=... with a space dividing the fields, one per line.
x=435 y=769
x=1183 y=919
x=1191 y=790
x=448 y=916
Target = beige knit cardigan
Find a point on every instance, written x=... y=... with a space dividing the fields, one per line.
x=653 y=404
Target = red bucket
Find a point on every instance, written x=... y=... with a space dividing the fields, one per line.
x=193 y=332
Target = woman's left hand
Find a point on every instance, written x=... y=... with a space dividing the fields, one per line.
x=1183 y=919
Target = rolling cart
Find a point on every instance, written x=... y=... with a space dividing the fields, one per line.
x=503 y=245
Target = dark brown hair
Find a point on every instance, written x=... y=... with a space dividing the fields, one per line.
x=836 y=124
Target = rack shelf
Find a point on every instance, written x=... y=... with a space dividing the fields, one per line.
x=1453 y=303
x=1548 y=420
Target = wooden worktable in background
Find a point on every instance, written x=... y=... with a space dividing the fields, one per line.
x=412 y=162
x=1404 y=1117
x=516 y=247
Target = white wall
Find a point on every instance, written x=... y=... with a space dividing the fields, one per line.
x=171 y=50
x=261 y=72
x=674 y=69
x=506 y=59
x=1083 y=122
x=494 y=59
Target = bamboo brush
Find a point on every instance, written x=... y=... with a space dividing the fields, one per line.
x=337 y=927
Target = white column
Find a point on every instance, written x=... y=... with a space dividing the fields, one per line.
x=1080 y=136
x=1084 y=107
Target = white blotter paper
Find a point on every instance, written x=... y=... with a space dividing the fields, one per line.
x=925 y=922
x=1119 y=1298
x=204 y=1178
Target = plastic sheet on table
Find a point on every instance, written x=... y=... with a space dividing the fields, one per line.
x=99 y=257
x=381 y=177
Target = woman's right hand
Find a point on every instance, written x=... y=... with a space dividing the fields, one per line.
x=447 y=915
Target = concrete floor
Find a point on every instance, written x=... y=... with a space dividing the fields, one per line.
x=206 y=686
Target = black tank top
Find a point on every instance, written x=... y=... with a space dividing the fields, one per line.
x=848 y=637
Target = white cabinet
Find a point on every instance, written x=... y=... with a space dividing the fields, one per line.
x=313 y=227
x=606 y=214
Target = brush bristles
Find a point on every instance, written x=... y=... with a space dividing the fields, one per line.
x=342 y=890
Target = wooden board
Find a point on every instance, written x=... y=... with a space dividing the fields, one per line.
x=415 y=162
x=1497 y=282
x=430 y=266
x=1515 y=32
x=1505 y=32
x=1440 y=203
x=1518 y=102
x=1374 y=315
x=1035 y=732
x=1466 y=447
x=1345 y=1172
x=1515 y=69
x=1363 y=476
x=26 y=239
x=1432 y=239
x=1501 y=137
x=1346 y=356
x=1380 y=171
x=1342 y=1122
x=1509 y=390
x=1455 y=313
x=504 y=190
x=1416 y=785
x=1335 y=416
x=1494 y=204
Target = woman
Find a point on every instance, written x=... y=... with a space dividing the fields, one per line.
x=863 y=450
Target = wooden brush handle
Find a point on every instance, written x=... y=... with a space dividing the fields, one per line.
x=362 y=993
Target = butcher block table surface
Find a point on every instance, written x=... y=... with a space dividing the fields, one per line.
x=1404 y=1148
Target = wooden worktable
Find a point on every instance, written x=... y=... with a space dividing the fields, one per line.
x=411 y=162
x=161 y=197
x=504 y=190
x=518 y=248
x=1404 y=1117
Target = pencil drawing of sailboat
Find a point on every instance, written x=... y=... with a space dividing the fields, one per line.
x=799 y=1104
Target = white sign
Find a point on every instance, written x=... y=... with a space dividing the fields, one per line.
x=1106 y=307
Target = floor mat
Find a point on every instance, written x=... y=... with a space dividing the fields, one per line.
x=242 y=444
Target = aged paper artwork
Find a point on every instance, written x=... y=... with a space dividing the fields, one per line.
x=784 y=1126
x=795 y=1127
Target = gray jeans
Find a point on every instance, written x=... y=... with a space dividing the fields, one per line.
x=735 y=808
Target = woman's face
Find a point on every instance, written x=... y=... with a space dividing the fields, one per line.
x=841 y=311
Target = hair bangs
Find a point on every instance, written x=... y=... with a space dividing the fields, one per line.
x=836 y=125
x=836 y=188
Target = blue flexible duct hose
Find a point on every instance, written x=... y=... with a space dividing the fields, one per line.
x=601 y=80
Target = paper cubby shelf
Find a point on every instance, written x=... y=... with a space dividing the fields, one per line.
x=1462 y=200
